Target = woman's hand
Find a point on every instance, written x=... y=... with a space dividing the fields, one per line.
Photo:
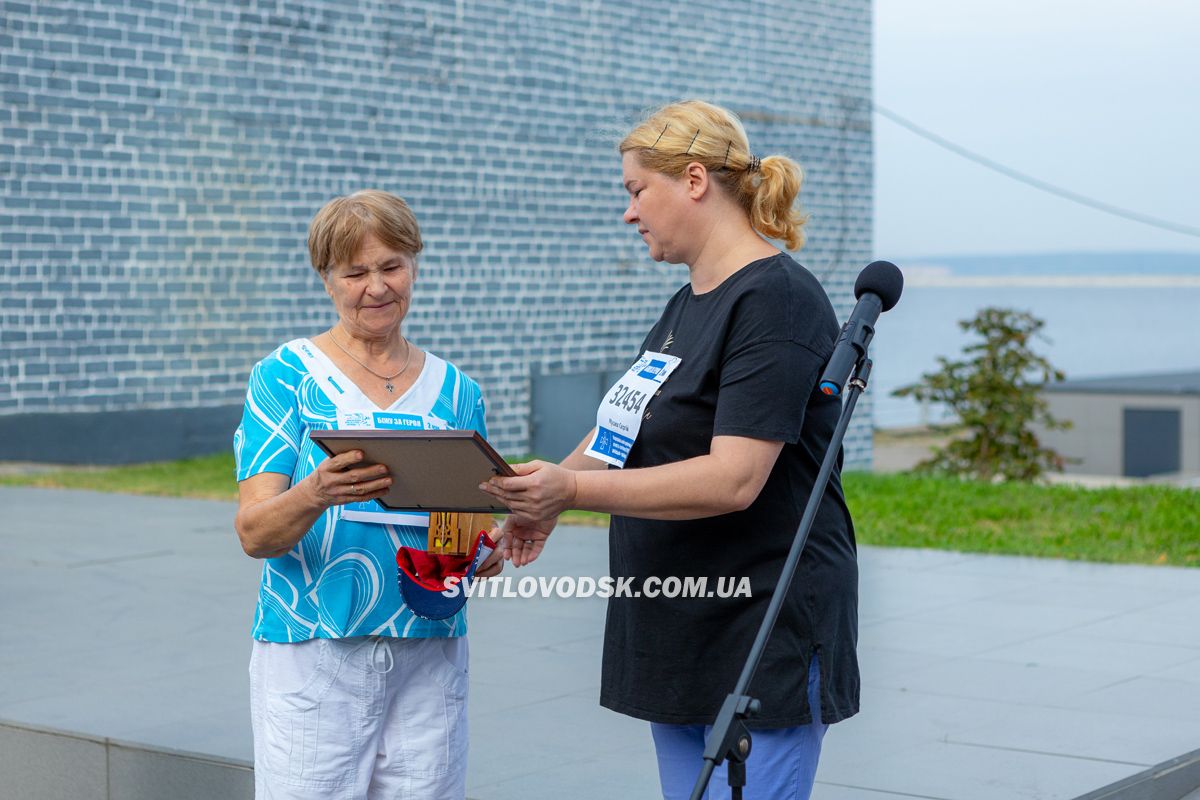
x=494 y=564
x=522 y=540
x=336 y=481
x=539 y=491
x=272 y=515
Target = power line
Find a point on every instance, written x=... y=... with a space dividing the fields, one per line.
x=1037 y=183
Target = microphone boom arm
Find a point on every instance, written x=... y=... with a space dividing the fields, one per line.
x=729 y=738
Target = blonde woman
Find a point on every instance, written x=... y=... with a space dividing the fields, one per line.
x=705 y=453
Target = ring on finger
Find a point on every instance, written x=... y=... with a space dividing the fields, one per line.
x=356 y=488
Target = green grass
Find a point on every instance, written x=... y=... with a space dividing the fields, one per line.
x=1142 y=524
x=210 y=477
x=207 y=477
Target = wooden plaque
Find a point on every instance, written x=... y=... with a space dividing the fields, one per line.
x=431 y=470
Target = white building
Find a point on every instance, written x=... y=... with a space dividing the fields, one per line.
x=1132 y=425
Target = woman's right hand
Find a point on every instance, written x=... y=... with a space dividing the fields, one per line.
x=273 y=515
x=536 y=490
x=337 y=481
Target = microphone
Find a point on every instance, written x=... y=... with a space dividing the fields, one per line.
x=877 y=289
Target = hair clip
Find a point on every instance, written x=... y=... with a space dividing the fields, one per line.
x=725 y=161
x=664 y=130
x=688 y=152
x=755 y=163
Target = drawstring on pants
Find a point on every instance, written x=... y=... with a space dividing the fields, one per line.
x=379 y=646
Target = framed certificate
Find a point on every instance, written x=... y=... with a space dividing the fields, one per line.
x=431 y=470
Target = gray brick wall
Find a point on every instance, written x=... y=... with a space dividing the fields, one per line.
x=160 y=162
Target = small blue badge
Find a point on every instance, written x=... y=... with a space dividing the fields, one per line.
x=612 y=444
x=653 y=370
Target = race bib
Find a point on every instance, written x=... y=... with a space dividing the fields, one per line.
x=388 y=421
x=619 y=417
x=369 y=510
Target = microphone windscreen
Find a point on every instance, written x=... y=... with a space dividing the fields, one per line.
x=882 y=278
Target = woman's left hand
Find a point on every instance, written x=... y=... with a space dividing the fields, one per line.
x=539 y=490
x=493 y=565
x=523 y=540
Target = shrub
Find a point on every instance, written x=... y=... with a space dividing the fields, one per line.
x=996 y=394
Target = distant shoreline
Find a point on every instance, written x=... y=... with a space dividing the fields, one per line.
x=938 y=279
x=1095 y=325
x=1115 y=270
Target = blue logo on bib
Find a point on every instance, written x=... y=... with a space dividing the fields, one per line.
x=652 y=370
x=612 y=444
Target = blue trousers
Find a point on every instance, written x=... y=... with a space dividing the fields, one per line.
x=782 y=763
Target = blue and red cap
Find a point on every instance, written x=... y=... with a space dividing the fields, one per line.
x=429 y=581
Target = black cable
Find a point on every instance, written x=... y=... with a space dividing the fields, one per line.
x=1067 y=194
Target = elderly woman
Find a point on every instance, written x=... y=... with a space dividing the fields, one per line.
x=352 y=695
x=706 y=452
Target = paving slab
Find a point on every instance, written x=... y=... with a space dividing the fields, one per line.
x=983 y=676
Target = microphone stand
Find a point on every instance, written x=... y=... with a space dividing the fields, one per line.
x=730 y=739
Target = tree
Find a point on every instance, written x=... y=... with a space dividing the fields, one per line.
x=996 y=393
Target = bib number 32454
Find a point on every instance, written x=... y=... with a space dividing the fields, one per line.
x=619 y=417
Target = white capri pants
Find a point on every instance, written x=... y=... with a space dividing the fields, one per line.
x=363 y=717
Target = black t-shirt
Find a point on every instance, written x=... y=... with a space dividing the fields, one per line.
x=752 y=351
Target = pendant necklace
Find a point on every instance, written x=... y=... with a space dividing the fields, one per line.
x=387 y=378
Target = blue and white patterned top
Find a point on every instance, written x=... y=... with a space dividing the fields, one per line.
x=340 y=579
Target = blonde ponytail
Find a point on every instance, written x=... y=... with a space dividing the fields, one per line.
x=773 y=195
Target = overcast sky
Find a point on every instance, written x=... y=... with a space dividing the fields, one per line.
x=1099 y=97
